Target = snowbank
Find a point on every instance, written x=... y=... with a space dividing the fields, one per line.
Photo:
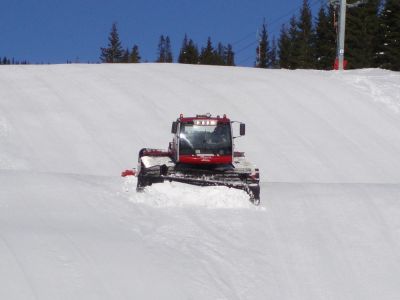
x=175 y=194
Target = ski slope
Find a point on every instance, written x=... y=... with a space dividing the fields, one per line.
x=327 y=145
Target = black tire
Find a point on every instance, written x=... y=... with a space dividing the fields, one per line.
x=141 y=184
x=255 y=190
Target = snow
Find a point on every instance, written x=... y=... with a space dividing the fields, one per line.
x=326 y=143
x=176 y=194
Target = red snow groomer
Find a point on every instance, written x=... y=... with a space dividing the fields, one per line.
x=202 y=154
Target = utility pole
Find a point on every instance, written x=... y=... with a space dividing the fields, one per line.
x=342 y=27
x=342 y=31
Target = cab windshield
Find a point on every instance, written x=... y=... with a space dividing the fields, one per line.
x=205 y=139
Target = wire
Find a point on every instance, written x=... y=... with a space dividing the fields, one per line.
x=269 y=25
x=246 y=59
x=243 y=39
x=246 y=47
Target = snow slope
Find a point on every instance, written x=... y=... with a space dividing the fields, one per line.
x=327 y=145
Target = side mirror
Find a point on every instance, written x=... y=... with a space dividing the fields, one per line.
x=174 y=127
x=242 y=129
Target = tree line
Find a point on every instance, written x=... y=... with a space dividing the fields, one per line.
x=372 y=37
x=11 y=61
x=306 y=42
x=189 y=52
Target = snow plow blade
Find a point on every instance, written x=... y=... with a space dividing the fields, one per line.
x=156 y=166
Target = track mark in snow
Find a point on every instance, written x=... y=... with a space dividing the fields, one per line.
x=20 y=267
x=4 y=127
x=382 y=88
x=5 y=162
x=7 y=157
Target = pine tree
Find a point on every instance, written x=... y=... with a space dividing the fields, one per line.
x=273 y=56
x=294 y=52
x=305 y=39
x=161 y=49
x=220 y=55
x=262 y=56
x=168 y=51
x=207 y=56
x=113 y=53
x=362 y=27
x=388 y=42
x=332 y=34
x=182 y=58
x=189 y=53
x=192 y=53
x=164 y=50
x=134 y=56
x=230 y=56
x=325 y=39
x=284 y=45
x=125 y=56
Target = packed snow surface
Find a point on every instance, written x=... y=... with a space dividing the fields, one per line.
x=327 y=145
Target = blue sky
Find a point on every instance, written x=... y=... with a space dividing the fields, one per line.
x=54 y=31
